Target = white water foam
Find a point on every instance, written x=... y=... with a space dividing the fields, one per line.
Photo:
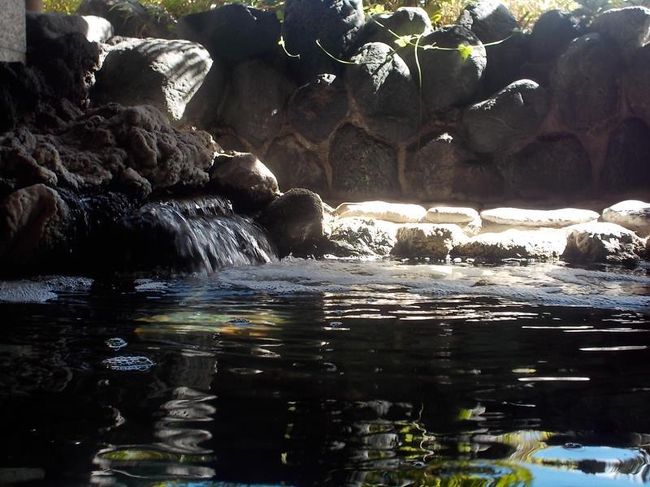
x=40 y=290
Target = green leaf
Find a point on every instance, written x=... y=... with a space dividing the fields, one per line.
x=465 y=51
x=403 y=41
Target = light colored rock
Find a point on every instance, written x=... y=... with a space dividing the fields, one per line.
x=538 y=218
x=360 y=237
x=539 y=244
x=467 y=218
x=381 y=210
x=12 y=31
x=99 y=29
x=427 y=240
x=602 y=242
x=631 y=214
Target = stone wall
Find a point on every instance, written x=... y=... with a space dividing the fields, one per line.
x=12 y=31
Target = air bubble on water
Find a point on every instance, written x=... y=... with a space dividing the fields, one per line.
x=115 y=343
x=128 y=363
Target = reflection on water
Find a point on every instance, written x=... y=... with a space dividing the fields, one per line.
x=215 y=382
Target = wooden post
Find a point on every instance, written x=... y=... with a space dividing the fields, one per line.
x=12 y=31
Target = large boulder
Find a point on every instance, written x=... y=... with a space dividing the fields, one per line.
x=245 y=180
x=318 y=107
x=295 y=222
x=602 y=242
x=384 y=92
x=295 y=166
x=539 y=244
x=627 y=160
x=362 y=167
x=163 y=73
x=505 y=60
x=558 y=166
x=384 y=27
x=203 y=109
x=427 y=240
x=520 y=217
x=490 y=20
x=333 y=23
x=451 y=70
x=510 y=116
x=631 y=214
x=381 y=210
x=551 y=34
x=49 y=26
x=130 y=18
x=233 y=33
x=585 y=83
x=637 y=84
x=255 y=102
x=467 y=219
x=629 y=27
x=359 y=237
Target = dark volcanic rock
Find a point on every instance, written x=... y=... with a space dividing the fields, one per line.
x=318 y=107
x=129 y=18
x=203 y=109
x=637 y=84
x=490 y=20
x=627 y=161
x=405 y=21
x=504 y=65
x=586 y=83
x=552 y=34
x=295 y=222
x=44 y=27
x=362 y=167
x=629 y=27
x=296 y=166
x=334 y=23
x=233 y=32
x=385 y=94
x=513 y=114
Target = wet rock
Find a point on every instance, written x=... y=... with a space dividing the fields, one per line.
x=585 y=83
x=318 y=107
x=256 y=100
x=333 y=23
x=538 y=218
x=542 y=244
x=34 y=227
x=44 y=27
x=626 y=164
x=602 y=242
x=629 y=27
x=244 y=179
x=549 y=167
x=450 y=77
x=129 y=18
x=427 y=240
x=637 y=84
x=233 y=33
x=358 y=237
x=631 y=214
x=385 y=94
x=381 y=210
x=362 y=167
x=510 y=116
x=296 y=166
x=405 y=21
x=295 y=222
x=490 y=20
x=163 y=73
x=467 y=219
x=551 y=35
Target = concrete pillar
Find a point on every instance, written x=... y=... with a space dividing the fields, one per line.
x=12 y=31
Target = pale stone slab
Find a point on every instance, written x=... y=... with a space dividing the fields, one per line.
x=381 y=210
x=12 y=31
x=631 y=214
x=520 y=217
x=451 y=214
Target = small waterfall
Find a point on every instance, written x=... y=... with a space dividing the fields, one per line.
x=193 y=235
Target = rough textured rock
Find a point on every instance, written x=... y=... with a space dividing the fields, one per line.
x=538 y=218
x=362 y=167
x=627 y=160
x=637 y=84
x=585 y=83
x=49 y=26
x=510 y=116
x=467 y=219
x=129 y=18
x=295 y=222
x=385 y=94
x=405 y=21
x=540 y=244
x=602 y=242
x=551 y=35
x=12 y=32
x=629 y=27
x=381 y=210
x=505 y=61
x=334 y=23
x=357 y=237
x=631 y=214
x=490 y=20
x=549 y=167
x=318 y=107
x=162 y=73
x=232 y=32
x=427 y=240
x=296 y=166
x=203 y=109
x=256 y=101
x=34 y=226
x=245 y=180
x=132 y=150
x=448 y=78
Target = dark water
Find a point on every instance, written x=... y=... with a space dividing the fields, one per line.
x=193 y=382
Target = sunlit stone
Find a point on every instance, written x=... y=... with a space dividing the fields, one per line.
x=538 y=218
x=381 y=210
x=631 y=214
